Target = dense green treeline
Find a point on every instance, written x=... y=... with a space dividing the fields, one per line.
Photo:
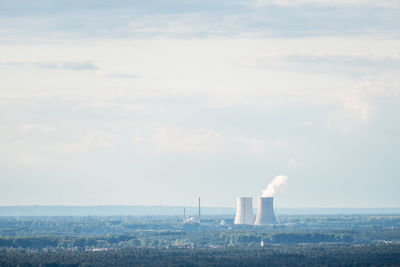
x=40 y=242
x=288 y=255
x=166 y=232
x=167 y=239
x=122 y=225
x=358 y=240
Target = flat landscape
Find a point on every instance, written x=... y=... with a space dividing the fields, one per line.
x=297 y=240
x=199 y=133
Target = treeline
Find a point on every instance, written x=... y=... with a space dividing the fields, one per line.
x=167 y=238
x=122 y=225
x=287 y=238
x=288 y=255
x=74 y=226
x=79 y=233
x=310 y=238
x=40 y=242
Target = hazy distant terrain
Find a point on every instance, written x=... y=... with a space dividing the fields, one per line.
x=14 y=211
x=119 y=117
x=298 y=240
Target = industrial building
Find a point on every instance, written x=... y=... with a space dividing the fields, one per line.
x=265 y=211
x=244 y=211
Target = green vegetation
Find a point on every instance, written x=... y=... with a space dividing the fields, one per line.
x=298 y=240
x=288 y=255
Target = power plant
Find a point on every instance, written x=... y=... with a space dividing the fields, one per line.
x=265 y=212
x=244 y=211
x=265 y=207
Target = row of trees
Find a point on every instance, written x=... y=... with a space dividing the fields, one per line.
x=120 y=225
x=288 y=255
x=169 y=238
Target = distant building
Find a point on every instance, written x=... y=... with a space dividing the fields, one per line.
x=265 y=212
x=244 y=211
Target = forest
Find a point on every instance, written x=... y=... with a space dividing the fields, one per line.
x=357 y=240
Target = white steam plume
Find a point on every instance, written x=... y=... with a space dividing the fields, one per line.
x=272 y=188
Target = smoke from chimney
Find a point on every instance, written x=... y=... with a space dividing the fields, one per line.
x=272 y=188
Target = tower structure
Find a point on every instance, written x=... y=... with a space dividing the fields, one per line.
x=265 y=211
x=244 y=210
x=199 y=211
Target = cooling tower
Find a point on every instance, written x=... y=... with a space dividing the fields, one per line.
x=244 y=210
x=265 y=212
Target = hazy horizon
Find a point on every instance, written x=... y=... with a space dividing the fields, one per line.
x=395 y=209
x=159 y=102
x=160 y=210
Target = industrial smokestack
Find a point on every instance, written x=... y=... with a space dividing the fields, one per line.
x=265 y=212
x=244 y=210
x=199 y=211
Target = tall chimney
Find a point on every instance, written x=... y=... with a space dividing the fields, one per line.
x=244 y=210
x=265 y=212
x=199 y=211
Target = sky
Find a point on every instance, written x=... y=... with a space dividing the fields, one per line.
x=158 y=102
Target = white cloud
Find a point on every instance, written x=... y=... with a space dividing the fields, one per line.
x=269 y=146
x=164 y=139
x=344 y=63
x=308 y=123
x=22 y=21
x=56 y=65
x=43 y=128
x=89 y=142
x=195 y=99
x=382 y=3
x=293 y=164
x=123 y=75
x=358 y=106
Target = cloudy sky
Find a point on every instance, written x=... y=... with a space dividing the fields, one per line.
x=161 y=101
